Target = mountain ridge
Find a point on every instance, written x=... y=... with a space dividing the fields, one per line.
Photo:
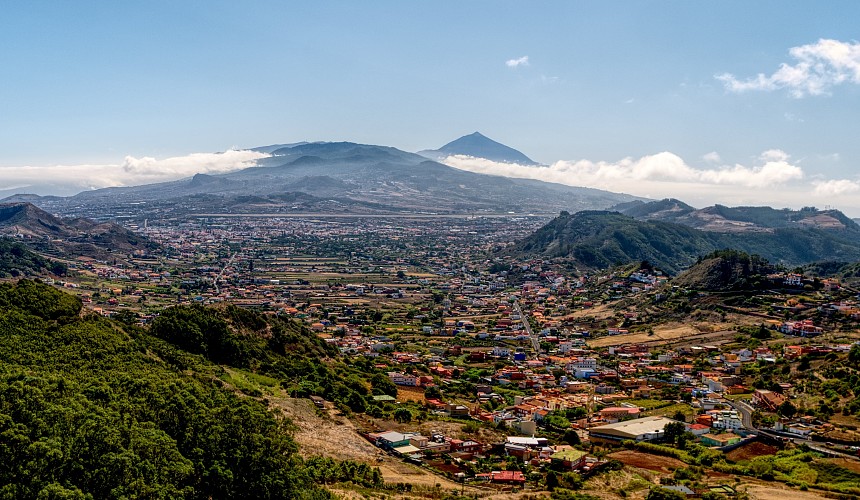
x=724 y=219
x=602 y=239
x=341 y=177
x=76 y=236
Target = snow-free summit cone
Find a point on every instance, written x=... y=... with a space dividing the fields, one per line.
x=481 y=146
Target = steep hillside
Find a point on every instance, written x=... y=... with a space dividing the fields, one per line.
x=68 y=236
x=847 y=273
x=603 y=239
x=16 y=260
x=668 y=209
x=480 y=146
x=93 y=408
x=719 y=218
x=26 y=219
x=725 y=270
x=850 y=274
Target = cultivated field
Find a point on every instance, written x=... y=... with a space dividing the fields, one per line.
x=656 y=463
x=767 y=492
x=671 y=333
x=750 y=451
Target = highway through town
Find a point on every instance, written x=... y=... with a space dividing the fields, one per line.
x=532 y=336
x=228 y=264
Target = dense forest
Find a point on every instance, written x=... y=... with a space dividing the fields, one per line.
x=726 y=270
x=98 y=408
x=17 y=260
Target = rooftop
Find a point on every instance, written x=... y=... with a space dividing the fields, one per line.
x=568 y=455
x=634 y=428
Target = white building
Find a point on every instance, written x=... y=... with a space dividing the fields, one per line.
x=581 y=364
x=501 y=352
x=728 y=420
x=403 y=379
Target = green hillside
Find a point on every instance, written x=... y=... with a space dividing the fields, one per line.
x=604 y=239
x=726 y=270
x=17 y=260
x=599 y=239
x=93 y=408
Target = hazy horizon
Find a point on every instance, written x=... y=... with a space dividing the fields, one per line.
x=734 y=103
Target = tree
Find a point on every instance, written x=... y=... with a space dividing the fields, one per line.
x=403 y=415
x=679 y=416
x=672 y=431
x=786 y=409
x=664 y=494
x=571 y=437
x=575 y=413
x=556 y=422
x=854 y=356
x=382 y=385
x=432 y=392
x=551 y=480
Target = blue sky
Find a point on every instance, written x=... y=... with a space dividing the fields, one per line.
x=97 y=83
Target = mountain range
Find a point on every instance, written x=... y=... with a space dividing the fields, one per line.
x=601 y=239
x=722 y=219
x=337 y=177
x=69 y=237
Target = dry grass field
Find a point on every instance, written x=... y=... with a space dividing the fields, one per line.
x=405 y=393
x=774 y=492
x=655 y=463
x=670 y=333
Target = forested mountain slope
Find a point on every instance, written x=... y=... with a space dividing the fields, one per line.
x=601 y=239
x=94 y=408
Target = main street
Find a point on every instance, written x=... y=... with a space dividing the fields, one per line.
x=532 y=336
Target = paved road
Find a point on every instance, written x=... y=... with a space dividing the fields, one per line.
x=746 y=412
x=228 y=264
x=532 y=336
x=811 y=444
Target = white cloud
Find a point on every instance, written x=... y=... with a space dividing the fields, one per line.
x=819 y=67
x=772 y=180
x=132 y=171
x=836 y=187
x=628 y=173
x=774 y=155
x=712 y=157
x=516 y=63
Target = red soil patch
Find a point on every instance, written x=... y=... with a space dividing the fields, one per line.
x=647 y=461
x=750 y=451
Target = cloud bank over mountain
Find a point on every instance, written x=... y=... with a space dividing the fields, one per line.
x=132 y=171
x=773 y=179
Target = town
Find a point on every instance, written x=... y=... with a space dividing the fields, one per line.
x=524 y=374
